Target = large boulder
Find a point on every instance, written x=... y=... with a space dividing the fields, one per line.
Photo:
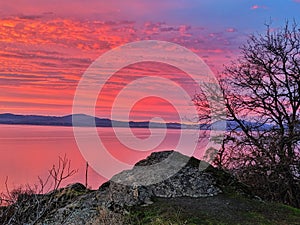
x=163 y=174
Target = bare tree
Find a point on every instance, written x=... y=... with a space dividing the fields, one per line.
x=31 y=203
x=218 y=157
x=61 y=171
x=262 y=94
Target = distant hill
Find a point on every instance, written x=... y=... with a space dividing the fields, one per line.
x=86 y=121
x=82 y=120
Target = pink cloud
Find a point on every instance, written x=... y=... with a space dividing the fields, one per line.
x=230 y=30
x=108 y=10
x=42 y=57
x=254 y=7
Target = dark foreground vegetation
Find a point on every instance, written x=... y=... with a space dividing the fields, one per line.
x=177 y=200
x=221 y=209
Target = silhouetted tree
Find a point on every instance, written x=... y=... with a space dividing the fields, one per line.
x=262 y=96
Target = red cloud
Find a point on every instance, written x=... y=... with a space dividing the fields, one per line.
x=42 y=58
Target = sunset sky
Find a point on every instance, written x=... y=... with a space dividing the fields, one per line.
x=46 y=46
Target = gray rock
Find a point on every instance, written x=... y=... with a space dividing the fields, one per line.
x=189 y=181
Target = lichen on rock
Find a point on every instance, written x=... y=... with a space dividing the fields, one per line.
x=188 y=181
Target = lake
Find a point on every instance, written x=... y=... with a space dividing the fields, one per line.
x=30 y=151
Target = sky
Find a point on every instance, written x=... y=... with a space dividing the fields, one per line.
x=46 y=47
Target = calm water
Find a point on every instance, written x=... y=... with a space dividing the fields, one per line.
x=29 y=151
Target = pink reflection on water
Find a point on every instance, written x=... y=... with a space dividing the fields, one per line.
x=30 y=151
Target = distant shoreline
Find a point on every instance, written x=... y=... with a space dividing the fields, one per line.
x=82 y=120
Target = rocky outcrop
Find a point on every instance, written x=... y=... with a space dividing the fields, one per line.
x=163 y=174
x=189 y=181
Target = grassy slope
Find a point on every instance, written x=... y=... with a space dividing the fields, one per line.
x=222 y=209
x=232 y=207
